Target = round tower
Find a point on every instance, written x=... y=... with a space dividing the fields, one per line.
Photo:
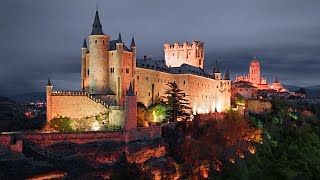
x=49 y=100
x=254 y=72
x=99 y=59
x=84 y=51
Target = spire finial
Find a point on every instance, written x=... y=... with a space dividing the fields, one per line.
x=133 y=44
x=119 y=38
x=84 y=45
x=97 y=5
x=49 y=82
x=97 y=27
x=227 y=75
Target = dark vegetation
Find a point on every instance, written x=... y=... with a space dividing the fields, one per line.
x=284 y=144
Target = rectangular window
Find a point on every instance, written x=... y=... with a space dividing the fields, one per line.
x=147 y=78
x=137 y=77
x=127 y=70
x=88 y=72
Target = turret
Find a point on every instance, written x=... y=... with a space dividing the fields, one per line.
x=84 y=51
x=99 y=59
x=131 y=110
x=227 y=75
x=49 y=100
x=216 y=71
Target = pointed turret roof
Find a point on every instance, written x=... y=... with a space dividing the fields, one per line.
x=133 y=44
x=84 y=45
x=119 y=38
x=130 y=91
x=216 y=67
x=276 y=81
x=227 y=75
x=97 y=27
x=49 y=82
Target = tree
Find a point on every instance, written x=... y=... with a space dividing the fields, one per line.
x=177 y=104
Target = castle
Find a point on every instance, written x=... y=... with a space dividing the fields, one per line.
x=111 y=72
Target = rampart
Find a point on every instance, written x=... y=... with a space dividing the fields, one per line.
x=47 y=139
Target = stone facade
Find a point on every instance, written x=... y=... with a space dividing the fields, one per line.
x=175 y=55
x=254 y=76
x=109 y=67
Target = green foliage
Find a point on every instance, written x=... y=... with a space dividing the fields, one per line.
x=239 y=99
x=62 y=124
x=177 y=104
x=290 y=149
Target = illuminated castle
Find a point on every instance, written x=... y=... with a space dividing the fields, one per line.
x=109 y=67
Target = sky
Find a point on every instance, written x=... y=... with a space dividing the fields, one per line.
x=41 y=38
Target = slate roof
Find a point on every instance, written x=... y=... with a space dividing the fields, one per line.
x=113 y=46
x=159 y=65
x=245 y=85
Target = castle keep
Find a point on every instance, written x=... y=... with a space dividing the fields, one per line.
x=113 y=79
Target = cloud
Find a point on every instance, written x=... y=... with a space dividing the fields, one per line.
x=44 y=38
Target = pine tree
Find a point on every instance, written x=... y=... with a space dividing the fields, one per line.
x=177 y=104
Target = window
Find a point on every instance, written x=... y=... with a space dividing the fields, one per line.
x=149 y=94
x=127 y=70
x=136 y=92
x=200 y=62
x=112 y=70
x=158 y=79
x=184 y=82
x=137 y=77
x=147 y=78
x=103 y=41
x=88 y=72
x=158 y=94
x=96 y=41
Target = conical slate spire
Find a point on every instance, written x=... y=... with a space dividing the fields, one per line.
x=276 y=81
x=216 y=67
x=49 y=82
x=130 y=91
x=133 y=44
x=119 y=38
x=84 y=45
x=97 y=27
x=227 y=75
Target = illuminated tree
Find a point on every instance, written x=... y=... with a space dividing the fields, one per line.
x=177 y=104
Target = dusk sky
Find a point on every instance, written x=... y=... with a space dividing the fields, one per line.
x=44 y=38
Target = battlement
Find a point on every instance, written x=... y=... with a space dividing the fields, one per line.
x=168 y=46
x=177 y=54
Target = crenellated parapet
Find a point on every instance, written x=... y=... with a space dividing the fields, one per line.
x=177 y=54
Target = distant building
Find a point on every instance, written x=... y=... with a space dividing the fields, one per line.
x=244 y=88
x=254 y=77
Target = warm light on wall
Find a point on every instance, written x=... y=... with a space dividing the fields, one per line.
x=95 y=126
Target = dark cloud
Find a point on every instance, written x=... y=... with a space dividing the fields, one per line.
x=43 y=38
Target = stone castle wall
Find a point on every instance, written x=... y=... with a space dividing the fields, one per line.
x=47 y=139
x=75 y=106
x=204 y=94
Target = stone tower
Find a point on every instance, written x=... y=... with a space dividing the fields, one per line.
x=130 y=110
x=84 y=78
x=192 y=54
x=254 y=72
x=49 y=99
x=216 y=74
x=99 y=59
